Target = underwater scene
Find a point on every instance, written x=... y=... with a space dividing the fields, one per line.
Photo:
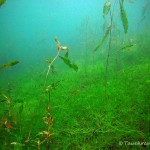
x=74 y=74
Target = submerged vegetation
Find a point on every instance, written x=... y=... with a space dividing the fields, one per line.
x=2 y=2
x=9 y=64
x=106 y=107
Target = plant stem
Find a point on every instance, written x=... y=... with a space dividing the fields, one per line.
x=108 y=55
x=48 y=106
x=109 y=49
x=49 y=67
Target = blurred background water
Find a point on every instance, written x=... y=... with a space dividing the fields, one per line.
x=27 y=28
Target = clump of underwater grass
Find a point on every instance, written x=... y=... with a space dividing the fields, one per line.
x=44 y=137
x=7 y=119
x=38 y=135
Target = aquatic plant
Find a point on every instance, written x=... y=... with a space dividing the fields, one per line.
x=106 y=8
x=68 y=62
x=9 y=64
x=103 y=38
x=123 y=16
x=2 y=2
x=64 y=58
x=6 y=119
x=43 y=137
x=81 y=111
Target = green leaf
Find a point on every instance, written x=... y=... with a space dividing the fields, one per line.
x=2 y=2
x=53 y=85
x=68 y=62
x=106 y=8
x=9 y=64
x=123 y=17
x=127 y=46
x=103 y=38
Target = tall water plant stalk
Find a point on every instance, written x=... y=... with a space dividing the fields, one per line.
x=47 y=118
x=50 y=65
x=65 y=60
x=109 y=49
x=107 y=9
